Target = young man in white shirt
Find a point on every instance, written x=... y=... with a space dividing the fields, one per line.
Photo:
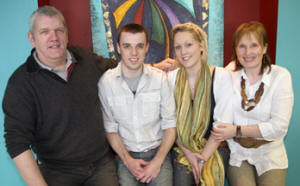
x=139 y=113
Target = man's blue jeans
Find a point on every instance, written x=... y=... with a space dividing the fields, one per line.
x=165 y=177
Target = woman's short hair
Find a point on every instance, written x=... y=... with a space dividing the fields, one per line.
x=259 y=32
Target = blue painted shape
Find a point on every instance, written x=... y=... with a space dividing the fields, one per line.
x=216 y=32
x=188 y=4
x=98 y=28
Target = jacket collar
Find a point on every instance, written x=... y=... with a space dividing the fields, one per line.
x=33 y=66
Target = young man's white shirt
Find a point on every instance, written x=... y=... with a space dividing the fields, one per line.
x=138 y=118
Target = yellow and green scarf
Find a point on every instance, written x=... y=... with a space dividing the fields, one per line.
x=192 y=123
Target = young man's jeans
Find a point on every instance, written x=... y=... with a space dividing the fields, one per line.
x=163 y=179
x=100 y=173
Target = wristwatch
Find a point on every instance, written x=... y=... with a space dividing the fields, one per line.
x=238 y=131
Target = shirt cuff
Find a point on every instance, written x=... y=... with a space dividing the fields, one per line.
x=165 y=124
x=267 y=131
x=110 y=127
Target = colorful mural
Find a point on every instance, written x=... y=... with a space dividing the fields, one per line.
x=157 y=16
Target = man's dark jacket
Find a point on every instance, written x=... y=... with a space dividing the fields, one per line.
x=60 y=120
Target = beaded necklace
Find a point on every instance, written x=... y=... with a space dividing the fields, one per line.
x=249 y=104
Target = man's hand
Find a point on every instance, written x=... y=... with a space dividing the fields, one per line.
x=151 y=171
x=136 y=167
x=29 y=169
x=166 y=65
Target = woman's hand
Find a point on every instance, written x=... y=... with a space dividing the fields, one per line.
x=223 y=131
x=194 y=159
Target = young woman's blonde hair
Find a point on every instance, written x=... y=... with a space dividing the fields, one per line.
x=199 y=35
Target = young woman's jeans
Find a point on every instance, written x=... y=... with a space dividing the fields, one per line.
x=183 y=177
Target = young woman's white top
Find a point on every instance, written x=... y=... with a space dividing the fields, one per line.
x=222 y=86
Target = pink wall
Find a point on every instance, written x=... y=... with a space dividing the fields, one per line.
x=77 y=13
x=237 y=12
x=269 y=16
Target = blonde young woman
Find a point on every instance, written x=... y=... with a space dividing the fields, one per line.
x=203 y=98
x=262 y=106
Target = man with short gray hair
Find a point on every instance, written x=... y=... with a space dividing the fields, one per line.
x=51 y=106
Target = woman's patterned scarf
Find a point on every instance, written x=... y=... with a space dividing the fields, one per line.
x=192 y=123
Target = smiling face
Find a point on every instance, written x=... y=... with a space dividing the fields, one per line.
x=187 y=49
x=50 y=39
x=250 y=52
x=132 y=48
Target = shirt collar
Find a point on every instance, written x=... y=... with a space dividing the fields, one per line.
x=266 y=77
x=118 y=71
x=69 y=60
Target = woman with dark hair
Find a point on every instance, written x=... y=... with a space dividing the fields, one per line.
x=262 y=108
